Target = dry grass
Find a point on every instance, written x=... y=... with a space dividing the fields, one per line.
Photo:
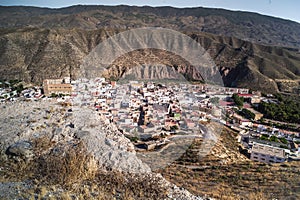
x=238 y=179
x=66 y=164
x=13 y=171
x=68 y=171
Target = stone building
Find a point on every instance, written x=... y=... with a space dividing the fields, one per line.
x=57 y=86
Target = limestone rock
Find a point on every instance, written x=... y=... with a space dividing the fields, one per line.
x=22 y=149
x=108 y=145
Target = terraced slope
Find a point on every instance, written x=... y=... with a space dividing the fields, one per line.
x=226 y=173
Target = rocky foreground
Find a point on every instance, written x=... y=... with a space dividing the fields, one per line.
x=48 y=151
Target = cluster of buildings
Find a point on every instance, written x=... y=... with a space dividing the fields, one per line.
x=151 y=111
x=147 y=109
x=13 y=91
x=270 y=145
x=57 y=86
x=51 y=87
x=32 y=93
x=7 y=93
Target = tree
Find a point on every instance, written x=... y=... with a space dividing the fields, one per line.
x=215 y=100
x=54 y=95
x=248 y=114
x=283 y=140
x=279 y=97
x=239 y=101
x=273 y=138
x=287 y=110
x=264 y=137
x=19 y=88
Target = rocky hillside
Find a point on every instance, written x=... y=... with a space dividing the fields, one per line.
x=50 y=151
x=244 y=25
x=33 y=54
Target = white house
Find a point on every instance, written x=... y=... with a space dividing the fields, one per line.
x=267 y=153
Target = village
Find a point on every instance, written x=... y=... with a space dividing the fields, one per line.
x=150 y=113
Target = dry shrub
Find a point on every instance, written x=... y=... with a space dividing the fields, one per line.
x=62 y=164
x=20 y=169
x=259 y=195
x=65 y=165
x=73 y=172
x=24 y=169
x=41 y=144
x=130 y=186
x=14 y=171
x=109 y=185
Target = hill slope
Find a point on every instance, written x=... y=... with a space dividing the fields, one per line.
x=244 y=25
x=33 y=54
x=227 y=174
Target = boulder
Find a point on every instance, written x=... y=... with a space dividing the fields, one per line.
x=22 y=149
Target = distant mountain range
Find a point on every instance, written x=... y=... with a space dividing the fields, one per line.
x=36 y=43
x=243 y=25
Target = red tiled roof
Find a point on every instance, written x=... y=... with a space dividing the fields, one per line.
x=246 y=105
x=226 y=103
x=245 y=95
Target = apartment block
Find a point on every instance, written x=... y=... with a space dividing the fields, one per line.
x=267 y=153
x=57 y=86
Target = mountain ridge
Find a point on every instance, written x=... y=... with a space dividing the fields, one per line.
x=33 y=54
x=35 y=45
x=56 y=10
x=248 y=26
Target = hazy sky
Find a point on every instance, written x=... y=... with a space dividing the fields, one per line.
x=287 y=9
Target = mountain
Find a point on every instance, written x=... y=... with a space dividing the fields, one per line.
x=39 y=43
x=244 y=25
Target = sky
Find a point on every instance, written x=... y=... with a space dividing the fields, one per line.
x=286 y=9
